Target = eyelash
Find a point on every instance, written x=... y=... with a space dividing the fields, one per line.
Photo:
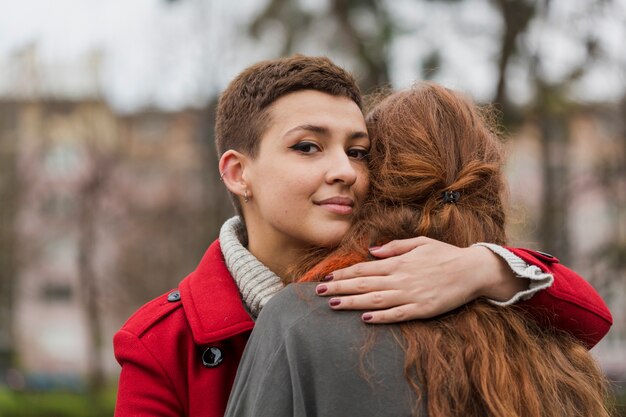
x=355 y=153
x=301 y=146
x=363 y=153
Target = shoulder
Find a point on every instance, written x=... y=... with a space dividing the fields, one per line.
x=293 y=296
x=288 y=309
x=156 y=337
x=296 y=314
x=292 y=304
x=153 y=312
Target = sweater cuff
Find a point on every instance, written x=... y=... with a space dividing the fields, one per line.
x=539 y=280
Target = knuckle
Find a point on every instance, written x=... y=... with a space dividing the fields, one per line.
x=378 y=298
x=335 y=287
x=400 y=314
x=362 y=286
x=429 y=307
x=404 y=260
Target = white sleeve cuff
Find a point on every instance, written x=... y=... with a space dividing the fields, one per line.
x=539 y=280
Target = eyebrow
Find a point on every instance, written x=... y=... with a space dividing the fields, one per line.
x=322 y=130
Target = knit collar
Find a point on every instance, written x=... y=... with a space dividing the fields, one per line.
x=257 y=284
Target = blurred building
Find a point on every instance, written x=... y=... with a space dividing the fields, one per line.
x=92 y=185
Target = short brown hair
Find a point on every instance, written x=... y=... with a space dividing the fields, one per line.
x=242 y=114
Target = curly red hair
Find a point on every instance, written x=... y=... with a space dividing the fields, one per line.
x=479 y=360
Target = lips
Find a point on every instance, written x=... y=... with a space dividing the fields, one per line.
x=337 y=205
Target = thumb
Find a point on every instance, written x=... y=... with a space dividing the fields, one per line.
x=398 y=247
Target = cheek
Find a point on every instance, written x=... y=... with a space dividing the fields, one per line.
x=286 y=193
x=300 y=182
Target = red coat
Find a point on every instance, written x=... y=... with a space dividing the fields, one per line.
x=179 y=354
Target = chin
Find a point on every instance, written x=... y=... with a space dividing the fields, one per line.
x=331 y=238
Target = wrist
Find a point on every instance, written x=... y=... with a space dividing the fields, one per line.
x=496 y=280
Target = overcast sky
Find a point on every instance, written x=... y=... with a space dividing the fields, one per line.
x=149 y=52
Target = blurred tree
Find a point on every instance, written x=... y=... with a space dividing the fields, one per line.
x=9 y=190
x=360 y=29
x=618 y=194
x=88 y=197
x=610 y=172
x=553 y=108
x=515 y=16
x=103 y=149
x=218 y=205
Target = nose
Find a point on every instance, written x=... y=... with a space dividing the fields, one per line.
x=341 y=169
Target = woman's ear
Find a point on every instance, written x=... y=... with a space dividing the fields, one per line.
x=232 y=167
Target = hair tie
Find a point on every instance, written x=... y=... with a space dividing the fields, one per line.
x=451 y=196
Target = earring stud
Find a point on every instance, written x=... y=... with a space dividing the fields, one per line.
x=245 y=196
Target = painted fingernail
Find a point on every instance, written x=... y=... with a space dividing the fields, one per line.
x=334 y=302
x=321 y=289
x=374 y=248
x=328 y=277
x=367 y=317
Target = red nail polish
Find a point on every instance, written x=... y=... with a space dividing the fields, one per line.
x=367 y=317
x=328 y=277
x=321 y=289
x=334 y=302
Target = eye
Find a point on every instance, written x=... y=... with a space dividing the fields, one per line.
x=306 y=147
x=358 y=153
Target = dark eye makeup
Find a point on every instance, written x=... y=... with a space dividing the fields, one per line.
x=305 y=147
x=358 y=153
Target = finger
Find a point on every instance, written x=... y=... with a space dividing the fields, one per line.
x=396 y=314
x=364 y=269
x=371 y=300
x=399 y=247
x=353 y=286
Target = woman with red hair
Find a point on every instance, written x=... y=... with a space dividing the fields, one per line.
x=436 y=172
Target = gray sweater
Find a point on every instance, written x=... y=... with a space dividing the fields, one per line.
x=305 y=360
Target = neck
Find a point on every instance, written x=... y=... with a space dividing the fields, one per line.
x=257 y=283
x=278 y=260
x=279 y=255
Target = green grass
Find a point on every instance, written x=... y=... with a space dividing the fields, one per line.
x=67 y=404
x=56 y=404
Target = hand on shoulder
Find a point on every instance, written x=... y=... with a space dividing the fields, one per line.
x=418 y=278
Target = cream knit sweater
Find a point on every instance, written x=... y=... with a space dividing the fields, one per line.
x=257 y=284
